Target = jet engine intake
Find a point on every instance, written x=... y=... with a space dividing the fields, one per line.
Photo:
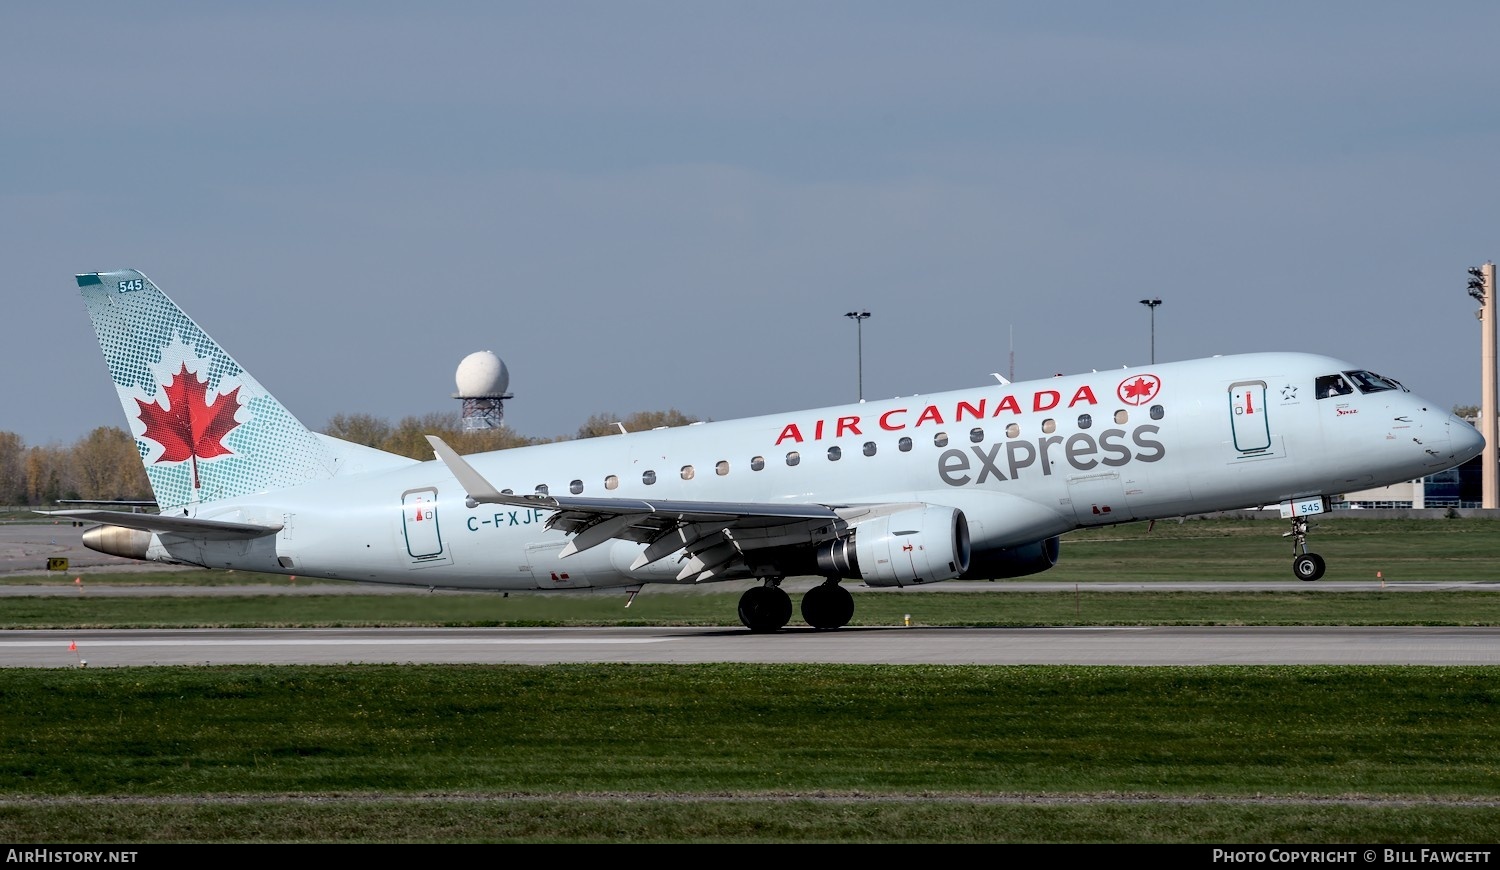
x=921 y=545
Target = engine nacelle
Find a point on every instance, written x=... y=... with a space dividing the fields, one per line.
x=1014 y=561
x=921 y=545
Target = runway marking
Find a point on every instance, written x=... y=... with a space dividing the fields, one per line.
x=461 y=641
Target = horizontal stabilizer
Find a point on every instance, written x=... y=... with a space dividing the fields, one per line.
x=191 y=527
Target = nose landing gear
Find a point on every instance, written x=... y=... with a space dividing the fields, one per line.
x=1306 y=566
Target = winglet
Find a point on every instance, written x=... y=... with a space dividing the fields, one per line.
x=479 y=489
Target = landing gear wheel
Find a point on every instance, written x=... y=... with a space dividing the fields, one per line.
x=828 y=606
x=1308 y=566
x=765 y=608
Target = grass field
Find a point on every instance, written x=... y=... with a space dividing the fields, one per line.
x=751 y=753
x=925 y=608
x=788 y=753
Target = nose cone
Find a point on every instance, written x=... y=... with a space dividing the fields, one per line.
x=1465 y=440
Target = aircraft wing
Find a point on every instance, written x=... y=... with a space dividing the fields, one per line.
x=220 y=530
x=712 y=534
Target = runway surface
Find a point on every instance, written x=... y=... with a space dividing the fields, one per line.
x=1194 y=645
x=25 y=548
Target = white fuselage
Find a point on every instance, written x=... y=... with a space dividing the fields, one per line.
x=1024 y=462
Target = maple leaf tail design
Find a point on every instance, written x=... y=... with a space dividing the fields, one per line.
x=206 y=429
x=187 y=424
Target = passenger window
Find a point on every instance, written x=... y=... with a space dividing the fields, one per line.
x=869 y=448
x=793 y=458
x=940 y=439
x=1122 y=416
x=976 y=435
x=1085 y=421
x=576 y=487
x=1157 y=412
x=687 y=472
x=904 y=445
x=612 y=482
x=1013 y=430
x=722 y=468
x=507 y=492
x=834 y=454
x=757 y=463
x=541 y=489
x=648 y=478
x=1049 y=426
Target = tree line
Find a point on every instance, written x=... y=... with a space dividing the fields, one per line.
x=105 y=464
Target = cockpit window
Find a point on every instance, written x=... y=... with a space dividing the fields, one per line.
x=1369 y=382
x=1333 y=385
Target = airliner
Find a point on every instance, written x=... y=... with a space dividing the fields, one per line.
x=973 y=483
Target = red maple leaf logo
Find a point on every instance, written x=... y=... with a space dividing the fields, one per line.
x=1141 y=387
x=1137 y=391
x=193 y=428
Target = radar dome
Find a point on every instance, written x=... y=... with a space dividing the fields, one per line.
x=482 y=374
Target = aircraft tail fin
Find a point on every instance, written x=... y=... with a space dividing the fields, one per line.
x=206 y=430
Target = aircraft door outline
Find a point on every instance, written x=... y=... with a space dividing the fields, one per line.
x=1249 y=424
x=419 y=528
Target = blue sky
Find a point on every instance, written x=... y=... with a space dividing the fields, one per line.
x=653 y=205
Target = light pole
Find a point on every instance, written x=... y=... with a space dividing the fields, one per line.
x=859 y=318
x=1151 y=304
x=1482 y=290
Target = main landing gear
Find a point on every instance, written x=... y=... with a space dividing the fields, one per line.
x=767 y=607
x=1307 y=566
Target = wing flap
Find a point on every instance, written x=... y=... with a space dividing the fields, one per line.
x=708 y=561
x=598 y=533
x=711 y=535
